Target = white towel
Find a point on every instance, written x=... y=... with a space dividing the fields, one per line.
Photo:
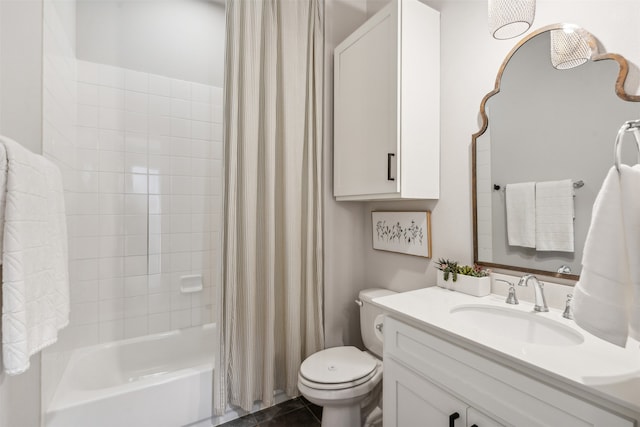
x=521 y=214
x=554 y=216
x=606 y=298
x=35 y=277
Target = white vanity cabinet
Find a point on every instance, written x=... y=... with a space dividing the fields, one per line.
x=386 y=106
x=427 y=379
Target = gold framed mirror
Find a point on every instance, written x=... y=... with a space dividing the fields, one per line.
x=543 y=124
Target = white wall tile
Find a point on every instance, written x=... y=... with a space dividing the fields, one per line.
x=180 y=108
x=135 y=327
x=136 y=122
x=135 y=265
x=111 y=330
x=180 y=127
x=180 y=89
x=159 y=126
x=159 y=105
x=136 y=81
x=135 y=306
x=84 y=291
x=109 y=97
x=88 y=72
x=83 y=313
x=159 y=322
x=136 y=102
x=111 y=140
x=201 y=93
x=202 y=111
x=180 y=319
x=159 y=85
x=135 y=183
x=111 y=309
x=203 y=130
x=135 y=245
x=87 y=94
x=111 y=288
x=111 y=246
x=216 y=96
x=87 y=116
x=111 y=118
x=111 y=76
x=87 y=137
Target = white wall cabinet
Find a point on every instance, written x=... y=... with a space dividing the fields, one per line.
x=426 y=379
x=386 y=106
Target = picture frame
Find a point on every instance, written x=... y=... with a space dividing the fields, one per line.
x=405 y=232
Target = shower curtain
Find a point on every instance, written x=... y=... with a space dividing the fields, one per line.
x=272 y=239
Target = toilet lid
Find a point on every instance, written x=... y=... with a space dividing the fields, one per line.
x=338 y=365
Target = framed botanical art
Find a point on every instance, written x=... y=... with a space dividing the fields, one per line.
x=403 y=232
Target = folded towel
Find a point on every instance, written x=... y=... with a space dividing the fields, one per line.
x=606 y=298
x=554 y=216
x=521 y=214
x=35 y=278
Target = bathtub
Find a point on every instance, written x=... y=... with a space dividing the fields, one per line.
x=156 y=380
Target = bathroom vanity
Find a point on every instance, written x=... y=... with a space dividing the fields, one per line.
x=455 y=360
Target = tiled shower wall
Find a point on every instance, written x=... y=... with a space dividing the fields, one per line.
x=149 y=153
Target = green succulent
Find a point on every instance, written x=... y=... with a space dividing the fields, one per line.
x=451 y=268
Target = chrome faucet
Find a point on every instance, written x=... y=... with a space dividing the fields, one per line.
x=538 y=288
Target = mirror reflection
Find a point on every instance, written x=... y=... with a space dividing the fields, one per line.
x=545 y=147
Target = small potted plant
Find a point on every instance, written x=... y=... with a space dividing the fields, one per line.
x=471 y=280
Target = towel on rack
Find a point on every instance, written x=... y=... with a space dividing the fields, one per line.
x=35 y=277
x=606 y=299
x=521 y=214
x=554 y=216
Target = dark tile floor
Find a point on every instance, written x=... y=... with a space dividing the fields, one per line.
x=298 y=412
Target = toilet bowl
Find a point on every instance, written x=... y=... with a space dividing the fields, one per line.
x=344 y=379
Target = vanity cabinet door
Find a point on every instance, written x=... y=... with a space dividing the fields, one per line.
x=386 y=106
x=410 y=400
x=478 y=419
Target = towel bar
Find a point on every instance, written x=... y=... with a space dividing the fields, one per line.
x=628 y=126
x=576 y=184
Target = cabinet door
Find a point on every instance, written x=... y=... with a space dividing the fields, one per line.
x=412 y=401
x=365 y=109
x=478 y=419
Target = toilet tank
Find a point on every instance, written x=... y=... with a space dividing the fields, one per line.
x=370 y=317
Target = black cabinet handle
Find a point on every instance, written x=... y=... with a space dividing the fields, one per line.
x=452 y=419
x=389 y=177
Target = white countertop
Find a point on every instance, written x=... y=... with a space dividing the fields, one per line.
x=602 y=370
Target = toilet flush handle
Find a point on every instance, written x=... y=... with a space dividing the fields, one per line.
x=358 y=302
x=379 y=327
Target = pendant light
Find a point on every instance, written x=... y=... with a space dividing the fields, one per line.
x=510 y=18
x=569 y=47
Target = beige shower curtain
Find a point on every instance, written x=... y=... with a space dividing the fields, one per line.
x=272 y=239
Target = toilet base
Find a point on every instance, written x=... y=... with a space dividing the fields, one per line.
x=341 y=416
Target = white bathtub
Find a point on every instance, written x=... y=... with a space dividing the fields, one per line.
x=156 y=380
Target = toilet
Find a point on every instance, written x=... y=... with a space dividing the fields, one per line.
x=343 y=379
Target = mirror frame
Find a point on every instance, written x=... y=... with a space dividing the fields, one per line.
x=620 y=92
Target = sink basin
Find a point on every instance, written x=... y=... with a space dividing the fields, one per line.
x=514 y=325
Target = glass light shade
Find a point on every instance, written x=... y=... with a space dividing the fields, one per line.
x=569 y=48
x=510 y=18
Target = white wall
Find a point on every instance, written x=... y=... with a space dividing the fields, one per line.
x=21 y=119
x=151 y=36
x=470 y=59
x=344 y=236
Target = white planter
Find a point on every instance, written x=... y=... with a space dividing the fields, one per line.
x=476 y=286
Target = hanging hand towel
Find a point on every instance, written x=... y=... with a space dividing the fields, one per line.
x=554 y=216
x=604 y=295
x=521 y=214
x=35 y=278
